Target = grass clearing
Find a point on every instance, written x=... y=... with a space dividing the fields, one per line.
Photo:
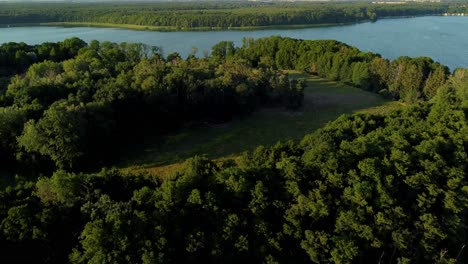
x=324 y=101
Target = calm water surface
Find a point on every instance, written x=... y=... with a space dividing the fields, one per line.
x=444 y=39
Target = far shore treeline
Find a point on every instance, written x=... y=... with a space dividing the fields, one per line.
x=366 y=188
x=212 y=15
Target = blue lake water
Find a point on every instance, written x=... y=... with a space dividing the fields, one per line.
x=444 y=39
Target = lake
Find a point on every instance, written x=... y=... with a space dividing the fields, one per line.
x=442 y=38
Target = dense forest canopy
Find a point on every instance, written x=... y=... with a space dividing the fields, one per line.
x=68 y=102
x=363 y=189
x=208 y=15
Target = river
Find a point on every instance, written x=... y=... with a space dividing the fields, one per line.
x=442 y=38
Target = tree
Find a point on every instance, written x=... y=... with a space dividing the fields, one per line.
x=361 y=75
x=60 y=134
x=223 y=49
x=380 y=74
x=435 y=80
x=70 y=47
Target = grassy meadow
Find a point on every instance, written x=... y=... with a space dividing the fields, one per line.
x=324 y=101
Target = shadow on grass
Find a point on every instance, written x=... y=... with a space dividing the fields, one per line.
x=324 y=101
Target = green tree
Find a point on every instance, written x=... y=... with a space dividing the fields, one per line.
x=223 y=49
x=435 y=80
x=60 y=134
x=361 y=75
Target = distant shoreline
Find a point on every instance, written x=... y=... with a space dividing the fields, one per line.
x=195 y=29
x=170 y=28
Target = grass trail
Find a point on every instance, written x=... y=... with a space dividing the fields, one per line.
x=324 y=101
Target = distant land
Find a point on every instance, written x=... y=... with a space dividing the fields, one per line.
x=127 y=1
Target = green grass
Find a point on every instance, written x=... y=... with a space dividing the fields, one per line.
x=324 y=101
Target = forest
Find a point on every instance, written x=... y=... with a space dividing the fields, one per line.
x=366 y=188
x=211 y=15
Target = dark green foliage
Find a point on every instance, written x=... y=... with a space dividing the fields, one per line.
x=223 y=49
x=75 y=105
x=17 y=57
x=408 y=79
x=60 y=134
x=11 y=125
x=43 y=218
x=363 y=189
x=385 y=173
x=209 y=15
